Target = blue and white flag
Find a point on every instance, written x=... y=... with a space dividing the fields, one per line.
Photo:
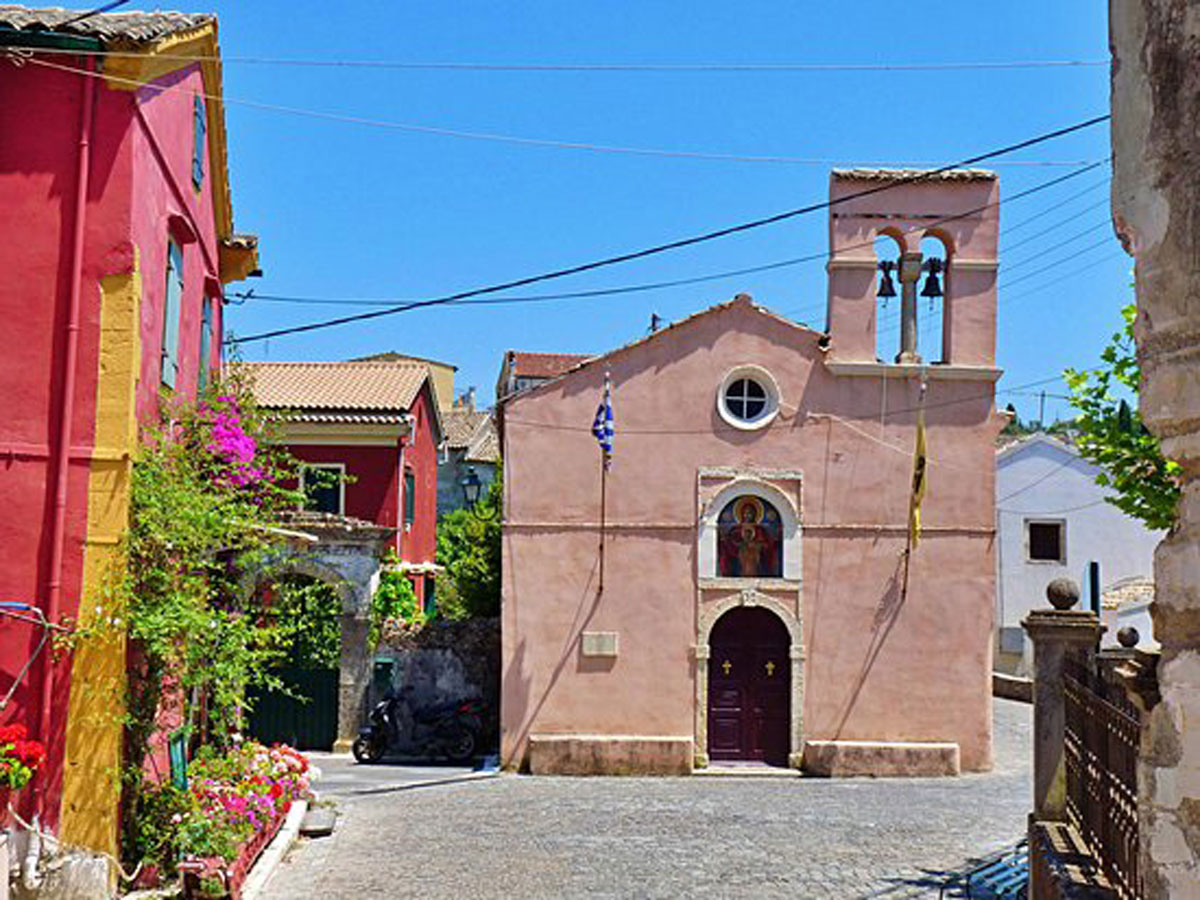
x=602 y=426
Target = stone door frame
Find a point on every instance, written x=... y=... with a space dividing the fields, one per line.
x=707 y=619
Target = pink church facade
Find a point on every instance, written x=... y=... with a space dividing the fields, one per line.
x=745 y=599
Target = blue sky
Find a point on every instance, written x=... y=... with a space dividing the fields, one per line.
x=353 y=211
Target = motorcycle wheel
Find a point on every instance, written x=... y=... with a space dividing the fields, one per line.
x=366 y=750
x=460 y=746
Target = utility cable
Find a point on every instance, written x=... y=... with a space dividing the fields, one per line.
x=667 y=68
x=680 y=243
x=460 y=133
x=679 y=282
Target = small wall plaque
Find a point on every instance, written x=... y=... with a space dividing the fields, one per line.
x=599 y=643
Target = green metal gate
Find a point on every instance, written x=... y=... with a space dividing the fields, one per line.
x=307 y=724
x=306 y=715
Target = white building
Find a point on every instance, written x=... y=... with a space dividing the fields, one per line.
x=1052 y=521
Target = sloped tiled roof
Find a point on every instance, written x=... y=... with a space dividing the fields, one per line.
x=485 y=443
x=125 y=27
x=915 y=174
x=460 y=425
x=341 y=386
x=543 y=365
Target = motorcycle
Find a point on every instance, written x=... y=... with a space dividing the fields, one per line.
x=449 y=730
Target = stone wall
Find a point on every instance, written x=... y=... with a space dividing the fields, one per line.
x=445 y=661
x=1156 y=212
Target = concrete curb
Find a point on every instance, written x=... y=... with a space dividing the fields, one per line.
x=429 y=782
x=269 y=861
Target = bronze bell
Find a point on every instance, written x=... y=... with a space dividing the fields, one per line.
x=932 y=287
x=886 y=287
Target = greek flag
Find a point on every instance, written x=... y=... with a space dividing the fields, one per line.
x=602 y=425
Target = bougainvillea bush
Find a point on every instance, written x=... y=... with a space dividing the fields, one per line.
x=206 y=496
x=19 y=756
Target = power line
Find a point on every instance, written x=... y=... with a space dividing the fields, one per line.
x=679 y=282
x=516 y=140
x=677 y=244
x=664 y=68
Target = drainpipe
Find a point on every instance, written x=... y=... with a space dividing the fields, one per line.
x=62 y=448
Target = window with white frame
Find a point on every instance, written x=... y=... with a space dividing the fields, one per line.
x=1046 y=540
x=748 y=398
x=324 y=487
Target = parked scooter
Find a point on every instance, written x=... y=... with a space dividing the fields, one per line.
x=444 y=729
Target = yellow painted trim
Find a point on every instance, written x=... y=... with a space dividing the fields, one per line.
x=143 y=65
x=91 y=773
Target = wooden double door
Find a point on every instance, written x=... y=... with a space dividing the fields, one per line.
x=749 y=688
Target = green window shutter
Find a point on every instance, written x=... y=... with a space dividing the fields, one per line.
x=198 y=147
x=410 y=498
x=170 y=336
x=205 y=344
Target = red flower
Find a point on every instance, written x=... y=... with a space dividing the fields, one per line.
x=31 y=753
x=276 y=791
x=10 y=734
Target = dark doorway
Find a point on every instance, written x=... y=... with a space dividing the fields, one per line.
x=749 y=687
x=304 y=713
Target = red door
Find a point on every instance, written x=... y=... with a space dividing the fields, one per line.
x=749 y=687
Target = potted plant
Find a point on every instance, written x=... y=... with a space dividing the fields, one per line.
x=20 y=758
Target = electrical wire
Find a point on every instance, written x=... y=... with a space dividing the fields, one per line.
x=676 y=244
x=667 y=68
x=438 y=131
x=679 y=282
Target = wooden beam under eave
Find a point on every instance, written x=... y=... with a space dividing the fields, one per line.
x=236 y=261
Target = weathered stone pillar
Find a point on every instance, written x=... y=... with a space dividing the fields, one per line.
x=1156 y=212
x=1054 y=633
x=354 y=677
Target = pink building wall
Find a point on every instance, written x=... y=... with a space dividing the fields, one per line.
x=871 y=668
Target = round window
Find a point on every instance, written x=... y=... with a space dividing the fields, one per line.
x=749 y=398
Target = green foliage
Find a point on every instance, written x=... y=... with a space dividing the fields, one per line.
x=205 y=492
x=154 y=836
x=1111 y=435
x=468 y=546
x=308 y=615
x=394 y=599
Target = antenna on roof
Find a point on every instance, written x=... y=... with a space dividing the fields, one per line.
x=95 y=12
x=655 y=322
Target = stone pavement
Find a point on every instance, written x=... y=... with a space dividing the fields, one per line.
x=342 y=777
x=670 y=837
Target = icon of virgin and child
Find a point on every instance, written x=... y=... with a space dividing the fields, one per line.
x=749 y=542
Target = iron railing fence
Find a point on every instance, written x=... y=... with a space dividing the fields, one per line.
x=1101 y=751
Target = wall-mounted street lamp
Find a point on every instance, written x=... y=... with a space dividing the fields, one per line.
x=472 y=488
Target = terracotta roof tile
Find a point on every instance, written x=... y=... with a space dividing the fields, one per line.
x=460 y=425
x=922 y=174
x=485 y=443
x=543 y=365
x=341 y=386
x=135 y=27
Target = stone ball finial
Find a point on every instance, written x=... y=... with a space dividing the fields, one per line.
x=1128 y=637
x=1063 y=593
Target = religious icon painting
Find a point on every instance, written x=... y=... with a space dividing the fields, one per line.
x=749 y=539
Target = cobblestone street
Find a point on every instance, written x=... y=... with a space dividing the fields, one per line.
x=670 y=837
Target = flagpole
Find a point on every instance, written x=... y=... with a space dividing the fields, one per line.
x=603 y=510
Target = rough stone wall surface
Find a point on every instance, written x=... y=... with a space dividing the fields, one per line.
x=1156 y=211
x=447 y=661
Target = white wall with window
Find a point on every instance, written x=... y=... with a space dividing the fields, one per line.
x=1052 y=520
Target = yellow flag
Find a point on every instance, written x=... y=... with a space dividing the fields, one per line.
x=920 y=471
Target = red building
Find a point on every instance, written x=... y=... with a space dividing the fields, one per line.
x=367 y=433
x=116 y=236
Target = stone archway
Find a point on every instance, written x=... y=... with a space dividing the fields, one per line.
x=709 y=616
x=346 y=554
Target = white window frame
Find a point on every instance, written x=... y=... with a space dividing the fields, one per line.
x=341 y=473
x=1062 y=542
x=766 y=381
